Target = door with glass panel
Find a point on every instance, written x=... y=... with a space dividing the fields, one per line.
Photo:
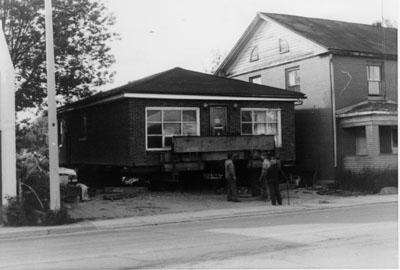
x=218 y=120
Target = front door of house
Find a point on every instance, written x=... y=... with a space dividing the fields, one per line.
x=218 y=120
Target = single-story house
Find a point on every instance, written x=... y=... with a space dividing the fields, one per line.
x=176 y=121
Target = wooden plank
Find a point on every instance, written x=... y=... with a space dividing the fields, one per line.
x=222 y=143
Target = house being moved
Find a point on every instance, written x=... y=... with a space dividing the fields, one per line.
x=177 y=121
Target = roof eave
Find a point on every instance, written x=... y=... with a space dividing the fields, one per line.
x=362 y=54
x=119 y=96
x=233 y=52
x=355 y=114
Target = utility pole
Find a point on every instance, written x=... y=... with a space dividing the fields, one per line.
x=52 y=113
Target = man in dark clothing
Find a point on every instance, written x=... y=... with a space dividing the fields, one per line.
x=273 y=175
x=230 y=176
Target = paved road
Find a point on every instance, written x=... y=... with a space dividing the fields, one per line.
x=354 y=237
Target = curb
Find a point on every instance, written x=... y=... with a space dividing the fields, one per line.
x=7 y=233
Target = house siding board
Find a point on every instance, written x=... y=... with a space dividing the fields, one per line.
x=391 y=84
x=358 y=164
x=266 y=37
x=372 y=136
x=314 y=118
x=316 y=88
x=107 y=139
x=351 y=85
x=314 y=122
x=141 y=157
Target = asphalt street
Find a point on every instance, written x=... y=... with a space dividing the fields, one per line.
x=349 y=237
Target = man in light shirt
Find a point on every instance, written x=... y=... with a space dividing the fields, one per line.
x=263 y=177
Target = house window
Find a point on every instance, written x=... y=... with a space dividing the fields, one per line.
x=255 y=79
x=394 y=139
x=262 y=122
x=254 y=54
x=83 y=131
x=164 y=123
x=61 y=132
x=293 y=79
x=283 y=45
x=388 y=139
x=374 y=76
x=361 y=141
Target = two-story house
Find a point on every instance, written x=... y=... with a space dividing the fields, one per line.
x=348 y=72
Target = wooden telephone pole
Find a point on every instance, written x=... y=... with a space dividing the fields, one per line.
x=52 y=112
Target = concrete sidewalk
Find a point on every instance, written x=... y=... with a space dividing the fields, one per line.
x=191 y=216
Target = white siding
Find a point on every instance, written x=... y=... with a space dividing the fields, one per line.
x=360 y=163
x=266 y=37
x=317 y=88
x=7 y=122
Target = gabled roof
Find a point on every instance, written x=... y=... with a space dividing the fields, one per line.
x=185 y=83
x=335 y=36
x=338 y=35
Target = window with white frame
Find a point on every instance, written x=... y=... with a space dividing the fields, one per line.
x=394 y=139
x=254 y=54
x=293 y=79
x=361 y=141
x=260 y=121
x=374 y=77
x=388 y=142
x=61 y=132
x=283 y=46
x=164 y=123
x=255 y=79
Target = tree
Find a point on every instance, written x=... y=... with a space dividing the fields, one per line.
x=385 y=23
x=217 y=56
x=82 y=34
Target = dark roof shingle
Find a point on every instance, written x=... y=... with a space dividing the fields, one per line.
x=344 y=36
x=178 y=81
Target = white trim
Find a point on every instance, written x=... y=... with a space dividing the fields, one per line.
x=344 y=115
x=349 y=108
x=168 y=96
x=198 y=97
x=197 y=109
x=278 y=142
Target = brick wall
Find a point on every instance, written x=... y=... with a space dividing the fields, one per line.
x=137 y=148
x=116 y=131
x=107 y=135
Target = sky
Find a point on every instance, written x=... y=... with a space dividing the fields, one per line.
x=157 y=35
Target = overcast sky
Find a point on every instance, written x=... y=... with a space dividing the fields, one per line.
x=157 y=35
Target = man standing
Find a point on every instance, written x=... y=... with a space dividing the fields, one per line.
x=263 y=177
x=273 y=174
x=230 y=176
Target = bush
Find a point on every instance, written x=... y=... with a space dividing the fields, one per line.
x=17 y=213
x=369 y=180
x=31 y=207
